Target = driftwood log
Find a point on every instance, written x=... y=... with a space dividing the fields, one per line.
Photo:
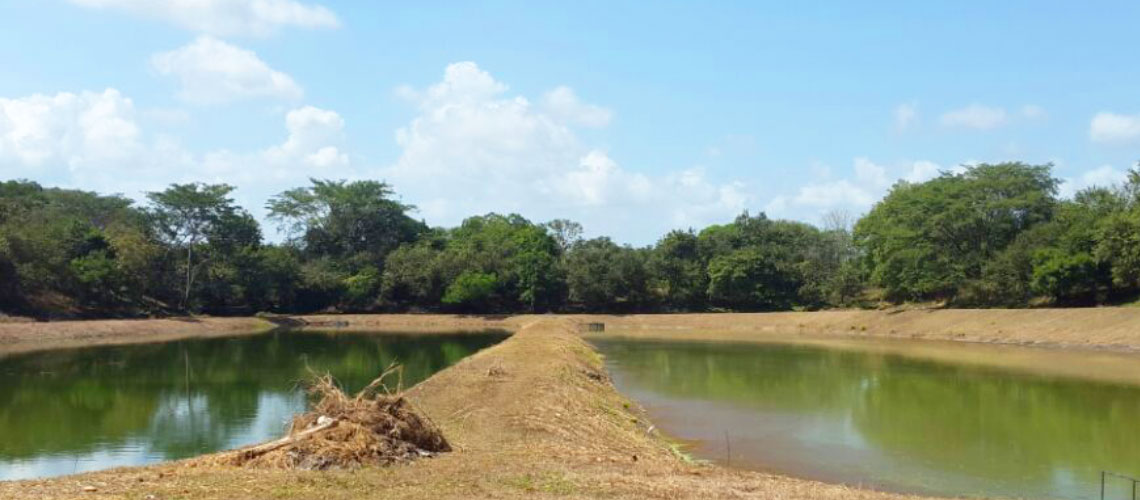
x=259 y=450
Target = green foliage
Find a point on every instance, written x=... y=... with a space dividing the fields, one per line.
x=752 y=278
x=603 y=276
x=1063 y=275
x=471 y=290
x=565 y=232
x=97 y=277
x=988 y=236
x=413 y=276
x=354 y=221
x=1118 y=245
x=678 y=273
x=928 y=240
x=362 y=289
x=188 y=214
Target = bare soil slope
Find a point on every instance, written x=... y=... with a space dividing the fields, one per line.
x=38 y=336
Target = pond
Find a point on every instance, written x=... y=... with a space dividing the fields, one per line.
x=77 y=410
x=884 y=421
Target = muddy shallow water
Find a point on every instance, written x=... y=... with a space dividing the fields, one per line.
x=77 y=410
x=884 y=420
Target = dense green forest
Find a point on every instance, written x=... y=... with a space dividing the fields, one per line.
x=992 y=235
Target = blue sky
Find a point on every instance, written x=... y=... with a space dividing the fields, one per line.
x=631 y=117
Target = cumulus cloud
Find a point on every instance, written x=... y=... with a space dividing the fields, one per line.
x=313 y=136
x=226 y=17
x=1102 y=176
x=563 y=103
x=860 y=192
x=922 y=171
x=975 y=116
x=866 y=183
x=474 y=148
x=210 y=71
x=1114 y=128
x=905 y=116
x=67 y=130
x=1033 y=112
x=94 y=140
x=313 y=147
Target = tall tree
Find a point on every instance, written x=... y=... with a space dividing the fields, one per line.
x=604 y=276
x=566 y=232
x=186 y=214
x=678 y=272
x=929 y=240
x=358 y=221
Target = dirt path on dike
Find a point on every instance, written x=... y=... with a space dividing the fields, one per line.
x=534 y=416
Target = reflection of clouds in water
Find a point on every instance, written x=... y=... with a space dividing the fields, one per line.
x=58 y=465
x=274 y=412
x=188 y=426
x=179 y=423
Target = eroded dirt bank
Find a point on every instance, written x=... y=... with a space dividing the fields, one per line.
x=1101 y=344
x=1108 y=328
x=533 y=416
x=39 y=336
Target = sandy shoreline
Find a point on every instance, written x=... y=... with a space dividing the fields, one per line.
x=39 y=336
x=1102 y=329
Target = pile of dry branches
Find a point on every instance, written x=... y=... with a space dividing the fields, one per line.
x=373 y=427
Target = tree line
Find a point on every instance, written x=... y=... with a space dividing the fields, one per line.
x=990 y=235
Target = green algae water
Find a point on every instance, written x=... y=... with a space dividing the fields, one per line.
x=885 y=421
x=93 y=408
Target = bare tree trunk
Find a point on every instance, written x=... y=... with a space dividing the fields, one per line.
x=189 y=267
x=257 y=451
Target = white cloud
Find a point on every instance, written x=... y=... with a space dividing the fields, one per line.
x=1033 y=112
x=905 y=116
x=210 y=71
x=167 y=116
x=312 y=148
x=922 y=171
x=94 y=141
x=870 y=174
x=858 y=193
x=313 y=136
x=472 y=148
x=867 y=183
x=1103 y=176
x=1112 y=127
x=975 y=116
x=67 y=130
x=834 y=194
x=564 y=104
x=226 y=17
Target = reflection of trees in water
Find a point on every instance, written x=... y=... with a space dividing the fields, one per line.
x=1003 y=425
x=188 y=397
x=972 y=420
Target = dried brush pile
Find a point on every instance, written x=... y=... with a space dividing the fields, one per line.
x=370 y=428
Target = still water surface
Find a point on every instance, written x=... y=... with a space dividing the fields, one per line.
x=884 y=420
x=93 y=408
